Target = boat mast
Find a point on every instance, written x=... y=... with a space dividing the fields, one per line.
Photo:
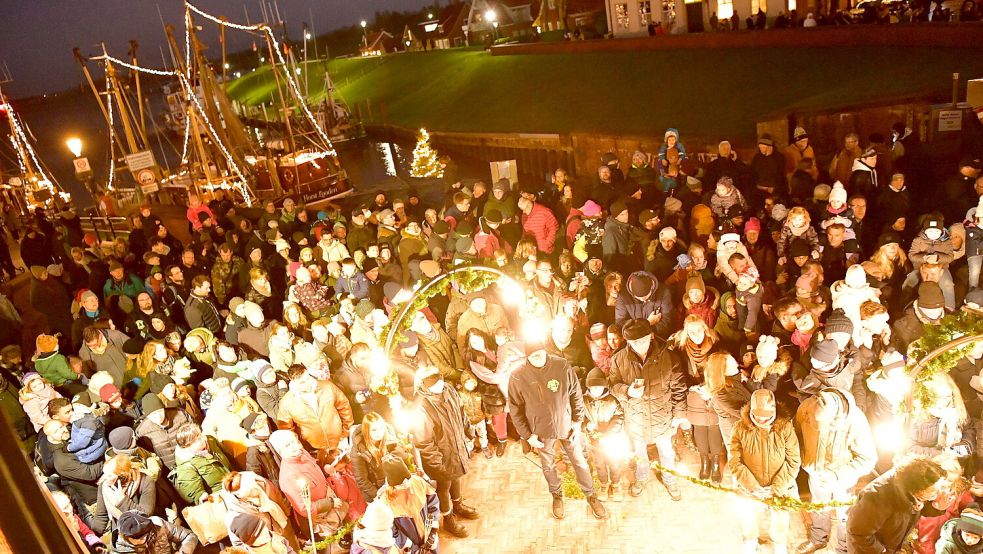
x=292 y=146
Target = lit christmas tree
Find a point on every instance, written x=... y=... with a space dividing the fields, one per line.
x=425 y=162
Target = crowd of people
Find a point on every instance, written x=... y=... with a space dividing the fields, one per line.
x=234 y=390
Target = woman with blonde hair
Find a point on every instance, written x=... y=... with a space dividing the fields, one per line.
x=296 y=321
x=124 y=486
x=887 y=269
x=728 y=395
x=695 y=342
x=372 y=440
x=247 y=493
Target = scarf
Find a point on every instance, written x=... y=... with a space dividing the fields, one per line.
x=698 y=353
x=409 y=500
x=798 y=231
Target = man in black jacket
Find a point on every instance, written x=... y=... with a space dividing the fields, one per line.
x=81 y=478
x=547 y=407
x=199 y=311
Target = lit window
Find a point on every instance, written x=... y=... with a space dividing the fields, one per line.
x=791 y=5
x=621 y=12
x=552 y=4
x=763 y=6
x=645 y=12
x=725 y=9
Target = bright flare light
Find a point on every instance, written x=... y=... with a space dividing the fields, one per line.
x=616 y=446
x=75 y=146
x=534 y=330
x=409 y=419
x=512 y=292
x=490 y=15
x=891 y=436
x=363 y=23
x=379 y=363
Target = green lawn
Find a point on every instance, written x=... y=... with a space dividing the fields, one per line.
x=704 y=92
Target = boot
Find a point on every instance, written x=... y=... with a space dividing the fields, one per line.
x=487 y=452
x=464 y=511
x=670 y=482
x=704 y=466
x=596 y=508
x=717 y=469
x=454 y=527
x=636 y=488
x=558 y=512
x=500 y=448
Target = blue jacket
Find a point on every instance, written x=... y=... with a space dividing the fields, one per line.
x=659 y=301
x=88 y=440
x=356 y=285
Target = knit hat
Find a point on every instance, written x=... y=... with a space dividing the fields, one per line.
x=636 y=329
x=134 y=346
x=247 y=422
x=157 y=381
x=889 y=237
x=667 y=233
x=591 y=209
x=395 y=470
x=594 y=251
x=38 y=271
x=673 y=205
x=464 y=244
x=974 y=296
x=725 y=182
x=609 y=158
x=766 y=140
x=598 y=331
x=494 y=215
x=970 y=522
x=596 y=378
x=799 y=134
x=247 y=527
x=837 y=193
x=55 y=270
x=838 y=322
x=369 y=264
x=109 y=393
x=378 y=516
x=779 y=212
x=930 y=295
x=617 y=207
x=46 y=343
x=423 y=374
x=824 y=353
x=730 y=237
x=798 y=248
x=281 y=245
x=646 y=216
x=931 y=224
x=640 y=285
x=133 y=524
x=253 y=313
x=122 y=438
x=695 y=281
x=753 y=224
x=464 y=228
x=270 y=235
x=86 y=296
x=856 y=277
x=441 y=227
x=151 y=403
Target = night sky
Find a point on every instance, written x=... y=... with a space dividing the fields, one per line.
x=37 y=36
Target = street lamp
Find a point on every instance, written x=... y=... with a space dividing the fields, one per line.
x=83 y=171
x=75 y=146
x=307 y=35
x=492 y=17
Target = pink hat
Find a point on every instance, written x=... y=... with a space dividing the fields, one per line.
x=753 y=224
x=591 y=209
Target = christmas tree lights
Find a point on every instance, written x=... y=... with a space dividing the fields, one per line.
x=425 y=162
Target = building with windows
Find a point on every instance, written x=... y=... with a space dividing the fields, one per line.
x=378 y=43
x=569 y=15
x=635 y=18
x=448 y=30
x=490 y=20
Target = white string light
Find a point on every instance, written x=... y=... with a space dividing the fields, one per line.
x=25 y=145
x=295 y=88
x=187 y=138
x=190 y=93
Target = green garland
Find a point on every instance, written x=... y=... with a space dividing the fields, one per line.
x=335 y=538
x=960 y=324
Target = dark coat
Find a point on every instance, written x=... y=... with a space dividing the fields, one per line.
x=664 y=397
x=79 y=477
x=160 y=440
x=881 y=519
x=546 y=401
x=201 y=312
x=263 y=461
x=443 y=445
x=165 y=539
x=906 y=330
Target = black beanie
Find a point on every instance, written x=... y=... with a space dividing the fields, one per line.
x=133 y=524
x=247 y=527
x=395 y=470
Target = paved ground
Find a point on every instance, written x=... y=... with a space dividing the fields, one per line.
x=512 y=497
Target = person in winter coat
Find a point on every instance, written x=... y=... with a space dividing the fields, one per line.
x=964 y=534
x=441 y=350
x=373 y=440
x=727 y=202
x=305 y=486
x=318 y=410
x=199 y=311
x=604 y=424
x=124 y=486
x=850 y=293
x=888 y=508
x=647 y=378
x=671 y=141
x=547 y=406
x=482 y=315
x=200 y=464
x=53 y=366
x=414 y=505
x=799 y=150
x=80 y=477
x=728 y=396
x=767 y=171
x=143 y=534
x=103 y=348
x=933 y=246
x=728 y=245
x=797 y=226
x=863 y=178
x=539 y=222
x=927 y=310
x=614 y=242
x=643 y=298
x=63 y=503
x=443 y=445
x=764 y=460
x=157 y=431
x=837 y=450
x=841 y=167
x=249 y=494
x=34 y=398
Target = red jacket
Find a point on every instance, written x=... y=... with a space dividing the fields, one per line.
x=193 y=215
x=541 y=224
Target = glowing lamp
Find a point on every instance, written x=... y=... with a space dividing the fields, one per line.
x=490 y=15
x=363 y=23
x=380 y=364
x=75 y=146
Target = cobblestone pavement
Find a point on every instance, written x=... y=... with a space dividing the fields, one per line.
x=511 y=495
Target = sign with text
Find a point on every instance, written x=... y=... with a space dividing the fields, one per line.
x=140 y=160
x=950 y=120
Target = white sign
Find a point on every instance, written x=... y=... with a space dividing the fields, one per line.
x=82 y=165
x=950 y=120
x=140 y=160
x=148 y=181
x=15 y=181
